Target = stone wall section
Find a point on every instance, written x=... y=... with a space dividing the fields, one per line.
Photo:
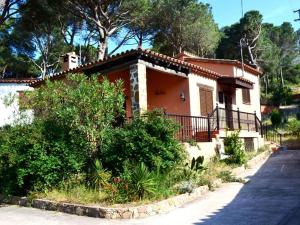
x=138 y=85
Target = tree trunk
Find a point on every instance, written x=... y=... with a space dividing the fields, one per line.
x=102 y=49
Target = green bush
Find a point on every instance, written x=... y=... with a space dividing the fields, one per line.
x=148 y=139
x=37 y=156
x=275 y=117
x=141 y=182
x=234 y=147
x=293 y=126
x=72 y=120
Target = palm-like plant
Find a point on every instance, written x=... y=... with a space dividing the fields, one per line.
x=142 y=181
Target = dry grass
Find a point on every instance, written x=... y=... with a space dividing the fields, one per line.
x=78 y=194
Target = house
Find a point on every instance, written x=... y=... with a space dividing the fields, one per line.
x=205 y=96
x=12 y=88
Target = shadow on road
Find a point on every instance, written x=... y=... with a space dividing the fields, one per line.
x=272 y=196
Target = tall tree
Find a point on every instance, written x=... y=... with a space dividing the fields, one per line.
x=185 y=25
x=105 y=17
x=243 y=35
x=37 y=29
x=9 y=9
x=142 y=15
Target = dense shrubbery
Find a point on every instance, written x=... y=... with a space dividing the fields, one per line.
x=293 y=126
x=275 y=117
x=77 y=150
x=148 y=139
x=71 y=122
x=76 y=133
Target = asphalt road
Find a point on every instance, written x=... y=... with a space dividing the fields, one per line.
x=271 y=198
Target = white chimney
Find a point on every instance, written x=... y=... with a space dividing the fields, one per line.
x=70 y=61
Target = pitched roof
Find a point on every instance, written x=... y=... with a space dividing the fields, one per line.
x=187 y=56
x=18 y=80
x=138 y=54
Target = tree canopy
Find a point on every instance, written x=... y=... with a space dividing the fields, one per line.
x=34 y=34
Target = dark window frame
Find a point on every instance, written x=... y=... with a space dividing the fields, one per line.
x=246 y=96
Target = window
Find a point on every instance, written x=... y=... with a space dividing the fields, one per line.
x=246 y=96
x=221 y=97
x=206 y=101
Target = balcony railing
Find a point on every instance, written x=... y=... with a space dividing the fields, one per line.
x=204 y=128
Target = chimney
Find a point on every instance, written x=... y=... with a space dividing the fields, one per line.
x=70 y=61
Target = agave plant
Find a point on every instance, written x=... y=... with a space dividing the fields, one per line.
x=99 y=177
x=142 y=181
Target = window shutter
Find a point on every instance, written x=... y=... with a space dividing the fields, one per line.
x=209 y=101
x=246 y=96
x=206 y=101
x=203 y=102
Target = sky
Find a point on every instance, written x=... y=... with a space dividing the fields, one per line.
x=227 y=12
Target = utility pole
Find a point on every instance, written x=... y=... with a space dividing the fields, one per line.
x=242 y=7
x=297 y=11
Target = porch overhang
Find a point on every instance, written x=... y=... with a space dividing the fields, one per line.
x=236 y=82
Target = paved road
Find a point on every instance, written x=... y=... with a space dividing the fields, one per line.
x=272 y=197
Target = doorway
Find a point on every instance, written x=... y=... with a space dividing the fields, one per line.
x=228 y=110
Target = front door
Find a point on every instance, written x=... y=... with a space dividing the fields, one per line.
x=228 y=109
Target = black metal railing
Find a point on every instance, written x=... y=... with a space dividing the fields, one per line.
x=204 y=128
x=237 y=120
x=271 y=134
x=191 y=127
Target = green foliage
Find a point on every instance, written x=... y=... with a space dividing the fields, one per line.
x=149 y=138
x=37 y=156
x=99 y=176
x=72 y=120
x=282 y=96
x=293 y=126
x=141 y=182
x=185 y=25
x=197 y=164
x=226 y=176
x=87 y=107
x=234 y=147
x=275 y=117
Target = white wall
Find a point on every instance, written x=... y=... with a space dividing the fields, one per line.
x=9 y=114
x=254 y=94
x=194 y=82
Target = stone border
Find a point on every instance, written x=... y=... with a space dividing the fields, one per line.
x=251 y=163
x=127 y=212
x=142 y=211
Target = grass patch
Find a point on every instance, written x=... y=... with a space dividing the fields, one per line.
x=78 y=194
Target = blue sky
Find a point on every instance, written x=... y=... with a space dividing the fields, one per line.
x=227 y=12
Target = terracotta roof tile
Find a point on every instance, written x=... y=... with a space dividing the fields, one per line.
x=194 y=68
x=18 y=80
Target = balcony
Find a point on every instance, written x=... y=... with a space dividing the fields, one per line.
x=204 y=128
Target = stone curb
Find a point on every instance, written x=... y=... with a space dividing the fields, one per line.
x=251 y=163
x=142 y=211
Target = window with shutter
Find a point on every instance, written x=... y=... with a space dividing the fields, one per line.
x=206 y=101
x=246 y=96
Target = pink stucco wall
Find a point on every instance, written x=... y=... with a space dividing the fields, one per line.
x=164 y=92
x=222 y=69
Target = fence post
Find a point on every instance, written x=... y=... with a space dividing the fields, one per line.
x=239 y=118
x=208 y=129
x=280 y=139
x=218 y=119
x=256 y=127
